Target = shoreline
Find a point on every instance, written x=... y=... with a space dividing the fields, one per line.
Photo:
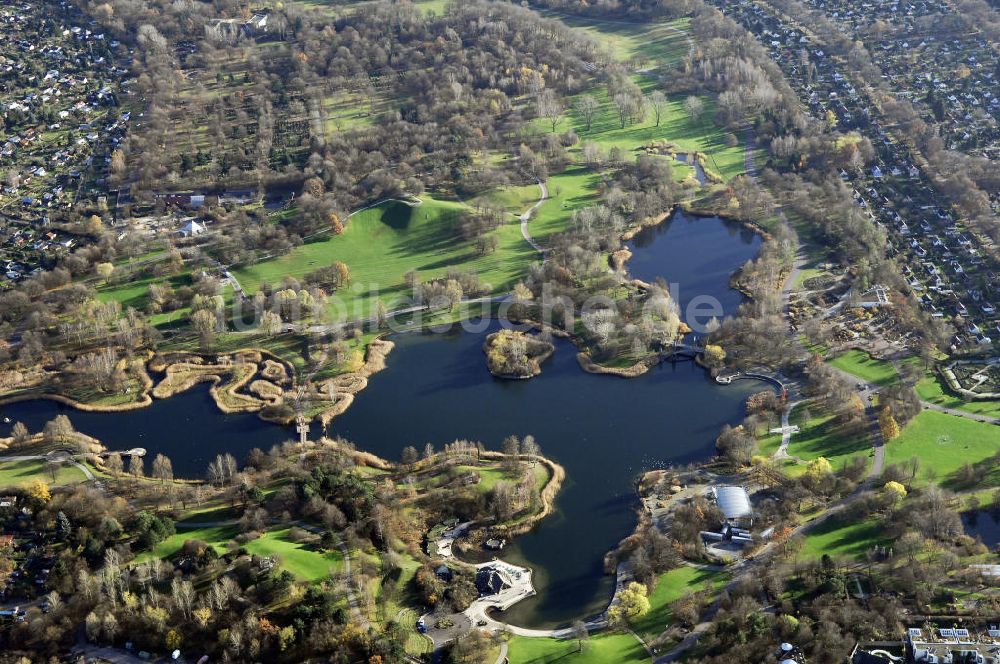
x=373 y=363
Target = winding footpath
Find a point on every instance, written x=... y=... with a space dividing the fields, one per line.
x=57 y=457
x=526 y=217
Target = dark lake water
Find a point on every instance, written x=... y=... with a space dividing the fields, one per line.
x=984 y=524
x=696 y=257
x=604 y=430
x=188 y=428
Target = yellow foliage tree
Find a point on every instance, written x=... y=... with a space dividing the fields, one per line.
x=818 y=467
x=202 y=616
x=888 y=424
x=94 y=224
x=172 y=640
x=286 y=637
x=633 y=602
x=105 y=270
x=336 y=225
x=894 y=491
x=714 y=355
x=38 y=491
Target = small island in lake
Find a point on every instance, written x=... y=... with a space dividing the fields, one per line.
x=516 y=355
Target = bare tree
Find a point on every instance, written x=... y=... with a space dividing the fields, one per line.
x=658 y=103
x=135 y=466
x=550 y=106
x=530 y=447
x=58 y=429
x=694 y=107
x=628 y=108
x=581 y=634
x=410 y=455
x=114 y=464
x=19 y=433
x=511 y=447
x=163 y=469
x=587 y=107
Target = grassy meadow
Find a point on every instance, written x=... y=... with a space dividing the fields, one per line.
x=381 y=244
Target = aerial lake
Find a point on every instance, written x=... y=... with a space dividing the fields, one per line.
x=604 y=430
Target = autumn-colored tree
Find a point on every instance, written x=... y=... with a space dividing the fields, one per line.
x=894 y=492
x=118 y=162
x=105 y=270
x=818 y=468
x=202 y=616
x=172 y=640
x=270 y=323
x=633 y=602
x=343 y=273
x=888 y=424
x=38 y=491
x=336 y=225
x=714 y=356
x=286 y=637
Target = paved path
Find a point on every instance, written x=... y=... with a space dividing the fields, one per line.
x=867 y=392
x=57 y=457
x=960 y=413
x=502 y=657
x=448 y=538
x=526 y=217
x=352 y=599
x=786 y=433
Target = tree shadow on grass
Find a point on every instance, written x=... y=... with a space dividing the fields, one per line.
x=855 y=539
x=22 y=469
x=397 y=216
x=828 y=438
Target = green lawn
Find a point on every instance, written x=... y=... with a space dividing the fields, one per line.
x=573 y=189
x=515 y=199
x=215 y=536
x=306 y=564
x=670 y=587
x=664 y=42
x=569 y=191
x=676 y=126
x=943 y=443
x=380 y=245
x=135 y=293
x=838 y=538
x=17 y=473
x=600 y=649
x=820 y=435
x=488 y=477
x=302 y=560
x=861 y=364
x=931 y=388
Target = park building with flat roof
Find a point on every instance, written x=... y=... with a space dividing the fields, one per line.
x=734 y=502
x=953 y=645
